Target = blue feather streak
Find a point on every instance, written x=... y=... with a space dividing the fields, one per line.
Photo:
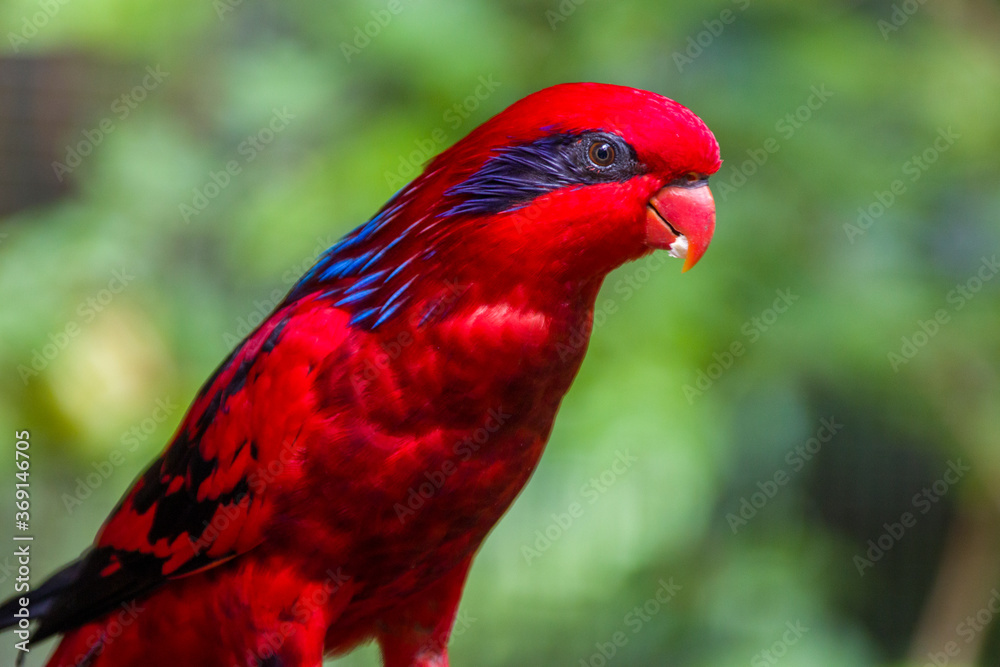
x=399 y=268
x=346 y=267
x=376 y=223
x=398 y=293
x=386 y=313
x=362 y=315
x=380 y=254
x=355 y=297
x=367 y=281
x=431 y=310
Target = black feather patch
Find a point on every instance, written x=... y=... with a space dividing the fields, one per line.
x=90 y=593
x=517 y=174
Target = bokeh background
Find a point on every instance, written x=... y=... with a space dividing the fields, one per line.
x=806 y=427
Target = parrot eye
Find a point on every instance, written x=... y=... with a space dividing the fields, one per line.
x=601 y=153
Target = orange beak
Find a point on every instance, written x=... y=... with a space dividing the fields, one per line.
x=682 y=220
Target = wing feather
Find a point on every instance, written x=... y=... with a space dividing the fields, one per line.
x=207 y=499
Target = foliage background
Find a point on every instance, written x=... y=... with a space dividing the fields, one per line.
x=898 y=74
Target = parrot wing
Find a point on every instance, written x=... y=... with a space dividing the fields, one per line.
x=207 y=498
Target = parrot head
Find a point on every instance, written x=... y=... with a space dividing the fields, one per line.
x=561 y=187
x=585 y=176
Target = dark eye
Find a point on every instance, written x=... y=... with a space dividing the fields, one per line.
x=692 y=177
x=601 y=153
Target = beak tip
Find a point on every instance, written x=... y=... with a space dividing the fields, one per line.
x=689 y=263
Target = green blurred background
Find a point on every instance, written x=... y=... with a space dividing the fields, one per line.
x=805 y=427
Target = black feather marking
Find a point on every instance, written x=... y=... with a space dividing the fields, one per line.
x=45 y=597
x=88 y=588
x=518 y=174
x=90 y=594
x=274 y=336
x=235 y=384
x=149 y=489
x=207 y=416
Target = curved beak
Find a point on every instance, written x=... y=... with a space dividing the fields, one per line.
x=682 y=220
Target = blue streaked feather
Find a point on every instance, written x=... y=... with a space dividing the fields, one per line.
x=367 y=281
x=386 y=313
x=362 y=317
x=354 y=297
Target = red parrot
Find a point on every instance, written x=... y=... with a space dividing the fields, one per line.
x=333 y=479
